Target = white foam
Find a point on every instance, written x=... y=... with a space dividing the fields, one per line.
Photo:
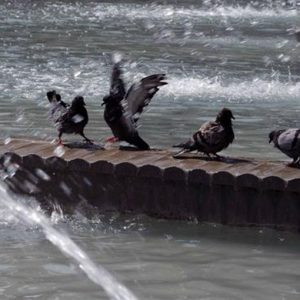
x=244 y=91
x=133 y=11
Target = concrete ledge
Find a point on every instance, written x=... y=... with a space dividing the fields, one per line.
x=232 y=191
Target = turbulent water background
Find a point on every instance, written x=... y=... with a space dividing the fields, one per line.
x=239 y=54
x=159 y=260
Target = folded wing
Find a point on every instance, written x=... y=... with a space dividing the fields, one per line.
x=289 y=140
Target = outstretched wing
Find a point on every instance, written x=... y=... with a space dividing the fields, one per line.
x=117 y=86
x=140 y=94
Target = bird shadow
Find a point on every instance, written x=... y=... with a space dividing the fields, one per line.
x=130 y=148
x=294 y=166
x=223 y=159
x=83 y=145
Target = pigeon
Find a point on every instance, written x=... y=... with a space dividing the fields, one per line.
x=212 y=136
x=57 y=106
x=288 y=142
x=68 y=118
x=55 y=98
x=123 y=109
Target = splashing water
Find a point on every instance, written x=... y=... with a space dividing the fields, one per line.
x=97 y=274
x=257 y=90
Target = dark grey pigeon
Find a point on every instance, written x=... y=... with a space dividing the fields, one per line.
x=212 y=137
x=288 y=142
x=73 y=119
x=122 y=110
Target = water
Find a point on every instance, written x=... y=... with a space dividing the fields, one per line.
x=156 y=259
x=97 y=274
x=239 y=54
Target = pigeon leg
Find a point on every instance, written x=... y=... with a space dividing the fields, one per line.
x=176 y=155
x=218 y=157
x=86 y=139
x=60 y=142
x=208 y=155
x=294 y=163
x=112 y=139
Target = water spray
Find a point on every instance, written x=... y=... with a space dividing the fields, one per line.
x=99 y=275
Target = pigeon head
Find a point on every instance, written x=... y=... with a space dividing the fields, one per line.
x=273 y=135
x=51 y=95
x=106 y=99
x=224 y=117
x=58 y=97
x=110 y=99
x=78 y=101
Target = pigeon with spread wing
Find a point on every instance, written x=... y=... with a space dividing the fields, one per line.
x=122 y=110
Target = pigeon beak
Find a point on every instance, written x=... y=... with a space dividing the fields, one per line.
x=232 y=117
x=270 y=140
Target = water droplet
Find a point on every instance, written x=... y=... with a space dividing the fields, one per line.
x=76 y=74
x=87 y=181
x=117 y=57
x=42 y=174
x=65 y=188
x=7 y=141
x=59 y=151
x=20 y=118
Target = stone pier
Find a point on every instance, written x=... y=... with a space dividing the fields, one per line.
x=234 y=191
